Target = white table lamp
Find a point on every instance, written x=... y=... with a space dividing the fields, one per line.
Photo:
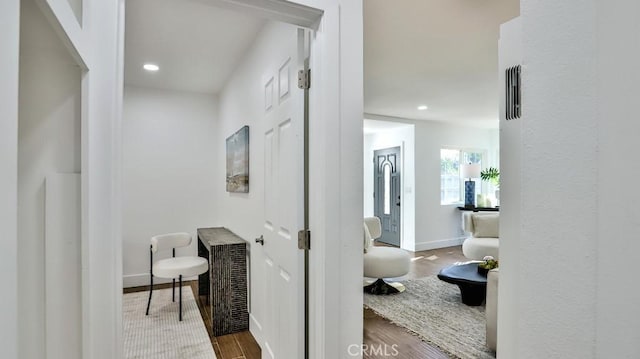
x=470 y=171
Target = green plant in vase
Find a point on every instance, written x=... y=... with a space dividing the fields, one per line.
x=492 y=175
x=488 y=263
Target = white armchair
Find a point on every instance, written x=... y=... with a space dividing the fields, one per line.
x=484 y=230
x=382 y=262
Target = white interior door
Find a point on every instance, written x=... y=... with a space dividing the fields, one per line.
x=284 y=208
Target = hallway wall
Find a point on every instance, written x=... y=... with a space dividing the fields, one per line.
x=169 y=172
x=48 y=143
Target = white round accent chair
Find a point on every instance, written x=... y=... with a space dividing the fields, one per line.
x=484 y=240
x=174 y=267
x=382 y=262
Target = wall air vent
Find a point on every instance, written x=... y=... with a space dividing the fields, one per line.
x=513 y=100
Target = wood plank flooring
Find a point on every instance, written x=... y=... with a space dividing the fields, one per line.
x=240 y=345
x=378 y=331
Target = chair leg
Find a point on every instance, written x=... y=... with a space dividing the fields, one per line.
x=180 y=289
x=381 y=287
x=150 y=292
x=173 y=295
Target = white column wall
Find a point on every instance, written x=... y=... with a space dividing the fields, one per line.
x=618 y=55
x=510 y=54
x=9 y=43
x=559 y=171
x=101 y=161
x=575 y=246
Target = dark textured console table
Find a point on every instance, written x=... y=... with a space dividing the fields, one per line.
x=226 y=282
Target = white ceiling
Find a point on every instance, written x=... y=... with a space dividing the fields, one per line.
x=376 y=126
x=196 y=45
x=440 y=53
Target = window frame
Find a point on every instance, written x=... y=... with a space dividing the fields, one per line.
x=480 y=186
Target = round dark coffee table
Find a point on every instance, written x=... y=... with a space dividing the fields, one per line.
x=473 y=285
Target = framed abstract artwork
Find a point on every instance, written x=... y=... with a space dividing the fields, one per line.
x=238 y=161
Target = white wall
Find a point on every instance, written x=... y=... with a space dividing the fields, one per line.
x=9 y=64
x=510 y=54
x=437 y=225
x=558 y=167
x=170 y=169
x=576 y=251
x=403 y=137
x=617 y=330
x=48 y=142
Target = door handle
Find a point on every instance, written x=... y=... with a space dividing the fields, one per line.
x=260 y=240
x=397 y=204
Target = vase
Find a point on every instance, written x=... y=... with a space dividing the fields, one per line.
x=483 y=271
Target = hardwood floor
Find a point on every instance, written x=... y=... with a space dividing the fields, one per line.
x=378 y=331
x=232 y=346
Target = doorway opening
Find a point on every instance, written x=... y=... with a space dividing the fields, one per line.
x=451 y=96
x=195 y=74
x=399 y=223
x=387 y=175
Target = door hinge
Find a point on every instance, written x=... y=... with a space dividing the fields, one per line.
x=304 y=79
x=304 y=239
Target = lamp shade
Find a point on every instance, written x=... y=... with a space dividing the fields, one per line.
x=471 y=170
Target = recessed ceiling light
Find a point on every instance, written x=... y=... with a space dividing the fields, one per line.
x=151 y=67
x=422 y=107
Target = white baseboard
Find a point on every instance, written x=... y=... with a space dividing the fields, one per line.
x=138 y=280
x=444 y=243
x=256 y=329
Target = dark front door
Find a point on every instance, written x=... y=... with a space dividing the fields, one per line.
x=386 y=194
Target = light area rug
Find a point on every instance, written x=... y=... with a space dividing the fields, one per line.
x=160 y=335
x=432 y=310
